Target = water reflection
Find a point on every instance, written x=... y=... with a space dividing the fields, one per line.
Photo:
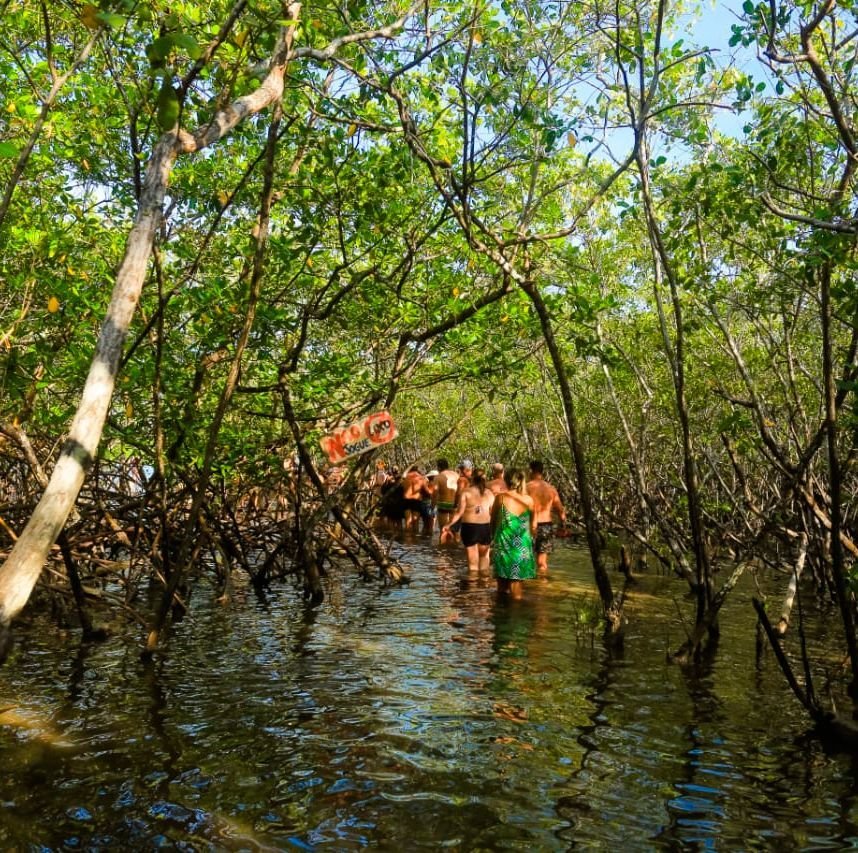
x=432 y=715
x=697 y=812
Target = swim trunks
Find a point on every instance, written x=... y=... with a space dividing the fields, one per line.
x=543 y=541
x=476 y=534
x=445 y=506
x=414 y=504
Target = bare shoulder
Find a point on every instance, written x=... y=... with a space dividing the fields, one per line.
x=538 y=489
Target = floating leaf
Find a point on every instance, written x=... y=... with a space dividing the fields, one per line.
x=510 y=712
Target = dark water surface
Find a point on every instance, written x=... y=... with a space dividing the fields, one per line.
x=425 y=717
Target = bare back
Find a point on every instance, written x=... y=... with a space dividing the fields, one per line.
x=498 y=485
x=445 y=488
x=413 y=485
x=476 y=507
x=516 y=502
x=545 y=499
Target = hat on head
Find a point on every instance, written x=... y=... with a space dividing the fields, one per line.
x=466 y=463
x=432 y=473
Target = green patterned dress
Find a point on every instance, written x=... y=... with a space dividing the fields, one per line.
x=512 y=547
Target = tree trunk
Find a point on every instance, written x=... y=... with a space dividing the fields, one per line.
x=676 y=355
x=18 y=575
x=838 y=571
x=612 y=605
x=792 y=589
x=255 y=270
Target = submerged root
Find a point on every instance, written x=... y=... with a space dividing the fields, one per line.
x=5 y=640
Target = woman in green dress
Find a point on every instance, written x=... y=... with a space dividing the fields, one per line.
x=513 y=527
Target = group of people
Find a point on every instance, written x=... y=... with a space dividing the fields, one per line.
x=506 y=522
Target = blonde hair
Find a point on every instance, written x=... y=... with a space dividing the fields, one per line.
x=514 y=479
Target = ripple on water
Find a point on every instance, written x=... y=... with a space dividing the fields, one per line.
x=425 y=717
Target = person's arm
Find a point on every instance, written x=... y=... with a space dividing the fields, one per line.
x=495 y=515
x=557 y=506
x=460 y=511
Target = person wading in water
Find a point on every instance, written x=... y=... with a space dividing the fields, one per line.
x=474 y=510
x=546 y=500
x=497 y=483
x=513 y=528
x=444 y=496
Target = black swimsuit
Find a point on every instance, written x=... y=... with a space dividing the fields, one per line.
x=476 y=534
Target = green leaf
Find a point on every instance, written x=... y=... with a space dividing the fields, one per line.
x=7 y=149
x=112 y=20
x=189 y=44
x=168 y=107
x=160 y=49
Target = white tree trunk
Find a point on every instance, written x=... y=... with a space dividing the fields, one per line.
x=18 y=575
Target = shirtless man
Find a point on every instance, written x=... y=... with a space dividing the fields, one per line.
x=444 y=495
x=414 y=484
x=474 y=510
x=546 y=500
x=497 y=483
x=464 y=472
x=427 y=510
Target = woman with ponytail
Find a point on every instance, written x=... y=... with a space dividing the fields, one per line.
x=474 y=508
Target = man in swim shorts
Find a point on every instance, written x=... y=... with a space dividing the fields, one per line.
x=444 y=495
x=414 y=486
x=546 y=500
x=427 y=510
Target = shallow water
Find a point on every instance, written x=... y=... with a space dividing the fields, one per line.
x=423 y=717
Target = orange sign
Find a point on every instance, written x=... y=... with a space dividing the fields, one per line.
x=359 y=437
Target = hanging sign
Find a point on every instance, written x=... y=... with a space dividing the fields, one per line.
x=363 y=435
